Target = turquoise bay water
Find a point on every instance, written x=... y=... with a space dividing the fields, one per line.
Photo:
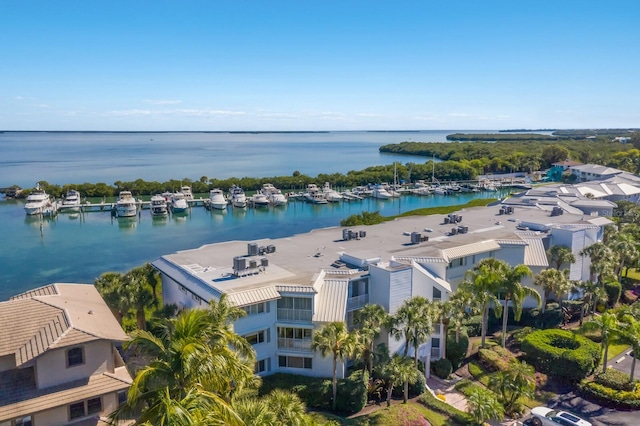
x=78 y=248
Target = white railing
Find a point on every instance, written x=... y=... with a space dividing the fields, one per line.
x=357 y=302
x=294 y=344
x=294 y=314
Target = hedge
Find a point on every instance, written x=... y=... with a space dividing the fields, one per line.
x=473 y=325
x=611 y=397
x=442 y=368
x=457 y=351
x=495 y=358
x=614 y=290
x=561 y=353
x=615 y=379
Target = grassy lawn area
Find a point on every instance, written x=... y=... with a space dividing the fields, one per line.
x=411 y=413
x=633 y=274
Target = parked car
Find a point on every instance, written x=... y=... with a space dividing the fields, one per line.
x=545 y=416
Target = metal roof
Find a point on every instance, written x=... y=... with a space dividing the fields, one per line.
x=295 y=289
x=470 y=249
x=252 y=296
x=511 y=242
x=332 y=301
x=534 y=253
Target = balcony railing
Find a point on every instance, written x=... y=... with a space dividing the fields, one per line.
x=294 y=344
x=294 y=314
x=357 y=302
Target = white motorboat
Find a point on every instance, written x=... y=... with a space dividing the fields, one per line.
x=274 y=195
x=259 y=200
x=330 y=194
x=217 y=200
x=186 y=190
x=126 y=205
x=380 y=193
x=362 y=191
x=420 y=188
x=159 y=206
x=237 y=197
x=179 y=202
x=314 y=195
x=37 y=202
x=71 y=202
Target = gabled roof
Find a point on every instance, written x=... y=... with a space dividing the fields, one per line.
x=596 y=169
x=534 y=253
x=332 y=301
x=55 y=316
x=470 y=249
x=256 y=295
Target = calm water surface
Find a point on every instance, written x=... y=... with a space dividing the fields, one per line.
x=78 y=248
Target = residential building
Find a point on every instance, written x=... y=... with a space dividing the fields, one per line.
x=58 y=359
x=290 y=287
x=587 y=172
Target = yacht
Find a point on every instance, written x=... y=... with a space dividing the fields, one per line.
x=331 y=194
x=380 y=193
x=314 y=195
x=126 y=205
x=421 y=188
x=237 y=197
x=259 y=200
x=179 y=202
x=71 y=202
x=186 y=190
x=159 y=206
x=362 y=191
x=37 y=201
x=217 y=200
x=274 y=195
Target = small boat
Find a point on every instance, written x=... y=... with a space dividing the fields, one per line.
x=126 y=205
x=186 y=190
x=237 y=197
x=274 y=195
x=179 y=202
x=380 y=193
x=217 y=200
x=420 y=188
x=71 y=202
x=259 y=200
x=314 y=195
x=159 y=206
x=330 y=194
x=37 y=202
x=362 y=191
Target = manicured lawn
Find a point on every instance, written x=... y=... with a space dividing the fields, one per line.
x=409 y=414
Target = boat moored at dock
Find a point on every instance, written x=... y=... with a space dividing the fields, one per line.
x=330 y=194
x=179 y=202
x=71 y=201
x=159 y=206
x=274 y=195
x=217 y=200
x=38 y=201
x=314 y=195
x=237 y=197
x=126 y=205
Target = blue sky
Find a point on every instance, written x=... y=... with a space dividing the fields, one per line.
x=318 y=65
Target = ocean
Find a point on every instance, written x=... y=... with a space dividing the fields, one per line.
x=80 y=247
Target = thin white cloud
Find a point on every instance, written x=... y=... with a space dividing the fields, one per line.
x=276 y=115
x=369 y=115
x=42 y=105
x=174 y=112
x=327 y=115
x=162 y=101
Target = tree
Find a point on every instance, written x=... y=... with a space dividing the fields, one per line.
x=370 y=320
x=413 y=322
x=140 y=294
x=483 y=282
x=553 y=154
x=287 y=408
x=513 y=291
x=608 y=326
x=334 y=338
x=399 y=370
x=552 y=280
x=517 y=381
x=460 y=302
x=558 y=255
x=603 y=260
x=483 y=406
x=110 y=286
x=627 y=249
x=222 y=316
x=630 y=334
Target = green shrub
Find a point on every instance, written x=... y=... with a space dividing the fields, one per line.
x=457 y=351
x=466 y=386
x=561 y=353
x=415 y=389
x=519 y=335
x=456 y=416
x=611 y=397
x=442 y=368
x=615 y=379
x=473 y=325
x=551 y=318
x=614 y=290
x=352 y=393
x=495 y=358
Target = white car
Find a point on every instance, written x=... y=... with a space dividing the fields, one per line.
x=545 y=416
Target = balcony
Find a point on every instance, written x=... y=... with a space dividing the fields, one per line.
x=294 y=315
x=294 y=344
x=357 y=302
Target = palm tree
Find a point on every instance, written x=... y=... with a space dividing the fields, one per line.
x=627 y=249
x=608 y=326
x=152 y=278
x=558 y=255
x=370 y=320
x=255 y=411
x=552 y=280
x=461 y=302
x=413 y=322
x=287 y=408
x=518 y=380
x=110 y=286
x=222 y=315
x=483 y=406
x=603 y=260
x=483 y=282
x=399 y=370
x=140 y=294
x=513 y=291
x=592 y=292
x=334 y=338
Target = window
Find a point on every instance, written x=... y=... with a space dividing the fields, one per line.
x=259 y=337
x=301 y=303
x=295 y=362
x=263 y=365
x=435 y=342
x=76 y=410
x=24 y=421
x=122 y=398
x=94 y=405
x=75 y=356
x=255 y=309
x=88 y=407
x=437 y=294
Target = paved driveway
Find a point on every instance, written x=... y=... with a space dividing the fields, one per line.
x=623 y=363
x=597 y=415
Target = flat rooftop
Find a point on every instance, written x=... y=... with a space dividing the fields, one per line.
x=298 y=259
